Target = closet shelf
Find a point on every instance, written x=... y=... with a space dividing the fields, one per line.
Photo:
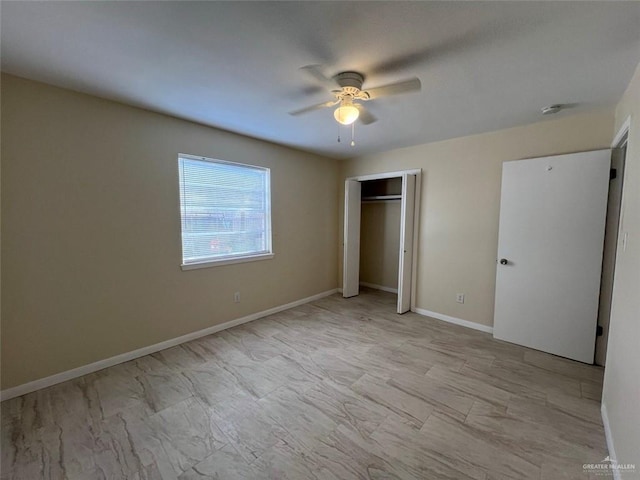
x=381 y=197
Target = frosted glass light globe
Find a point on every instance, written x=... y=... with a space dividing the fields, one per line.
x=346 y=114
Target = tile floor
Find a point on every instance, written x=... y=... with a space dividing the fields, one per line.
x=335 y=389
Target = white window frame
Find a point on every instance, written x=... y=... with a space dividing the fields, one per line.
x=230 y=259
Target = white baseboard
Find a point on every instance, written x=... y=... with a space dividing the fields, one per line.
x=141 y=352
x=457 y=321
x=609 y=437
x=379 y=287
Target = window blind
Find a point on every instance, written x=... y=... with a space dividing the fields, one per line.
x=225 y=210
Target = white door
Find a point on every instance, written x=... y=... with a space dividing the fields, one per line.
x=552 y=220
x=407 y=209
x=351 y=257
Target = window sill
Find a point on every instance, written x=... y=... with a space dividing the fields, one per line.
x=227 y=261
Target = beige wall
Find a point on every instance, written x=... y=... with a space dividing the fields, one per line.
x=460 y=203
x=622 y=374
x=380 y=243
x=91 y=230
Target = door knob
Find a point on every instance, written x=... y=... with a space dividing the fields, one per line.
x=503 y=261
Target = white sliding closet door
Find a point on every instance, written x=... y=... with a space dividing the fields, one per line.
x=351 y=262
x=407 y=211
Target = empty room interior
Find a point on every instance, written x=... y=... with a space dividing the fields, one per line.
x=320 y=240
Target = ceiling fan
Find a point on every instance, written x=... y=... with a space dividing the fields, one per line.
x=349 y=93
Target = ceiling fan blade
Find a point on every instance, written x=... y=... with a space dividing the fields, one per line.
x=314 y=107
x=315 y=72
x=481 y=37
x=405 y=86
x=365 y=117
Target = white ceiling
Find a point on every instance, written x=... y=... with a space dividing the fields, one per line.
x=235 y=65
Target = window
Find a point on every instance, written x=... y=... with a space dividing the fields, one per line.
x=225 y=210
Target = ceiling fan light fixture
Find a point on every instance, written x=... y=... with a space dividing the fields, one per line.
x=346 y=114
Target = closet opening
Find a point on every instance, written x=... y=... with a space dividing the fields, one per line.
x=380 y=234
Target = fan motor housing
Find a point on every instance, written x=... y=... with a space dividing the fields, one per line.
x=349 y=79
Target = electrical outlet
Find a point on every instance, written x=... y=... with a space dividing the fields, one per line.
x=236 y=297
x=460 y=297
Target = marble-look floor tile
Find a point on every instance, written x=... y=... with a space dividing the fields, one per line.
x=211 y=383
x=146 y=472
x=136 y=440
x=76 y=452
x=530 y=378
x=211 y=347
x=163 y=389
x=289 y=461
x=453 y=439
x=336 y=366
x=563 y=366
x=248 y=426
x=437 y=331
x=498 y=348
x=492 y=378
x=336 y=389
x=118 y=389
x=300 y=418
x=465 y=383
x=350 y=457
x=413 y=448
x=361 y=332
x=351 y=354
x=420 y=349
x=441 y=395
x=39 y=458
x=359 y=356
x=223 y=464
x=180 y=357
x=257 y=378
x=293 y=373
x=254 y=346
x=391 y=359
x=306 y=342
x=461 y=350
x=536 y=441
x=405 y=327
x=583 y=408
x=300 y=320
x=407 y=405
x=173 y=440
x=568 y=427
x=346 y=407
x=591 y=390
x=267 y=326
x=66 y=405
x=188 y=433
x=115 y=456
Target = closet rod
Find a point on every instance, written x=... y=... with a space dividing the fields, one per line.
x=381 y=198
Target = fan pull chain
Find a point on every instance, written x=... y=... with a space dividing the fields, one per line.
x=353 y=134
x=338 y=133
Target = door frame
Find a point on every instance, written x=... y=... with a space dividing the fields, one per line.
x=622 y=136
x=416 y=219
x=620 y=140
